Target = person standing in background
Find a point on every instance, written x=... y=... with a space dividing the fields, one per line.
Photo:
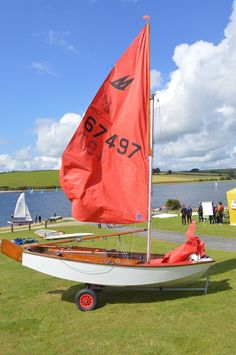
x=220 y=209
x=200 y=213
x=189 y=214
x=184 y=212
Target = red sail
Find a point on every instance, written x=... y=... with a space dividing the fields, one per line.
x=105 y=166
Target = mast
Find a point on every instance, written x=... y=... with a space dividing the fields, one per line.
x=150 y=149
x=149 y=226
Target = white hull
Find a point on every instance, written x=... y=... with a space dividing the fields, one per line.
x=116 y=275
x=65 y=236
x=19 y=223
x=52 y=234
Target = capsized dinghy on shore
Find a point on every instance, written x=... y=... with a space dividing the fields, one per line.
x=107 y=175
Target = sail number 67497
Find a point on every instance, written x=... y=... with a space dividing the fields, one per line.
x=122 y=145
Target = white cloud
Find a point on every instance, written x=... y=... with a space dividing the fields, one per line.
x=155 y=79
x=7 y=163
x=44 y=162
x=17 y=161
x=12 y=163
x=53 y=136
x=226 y=110
x=23 y=154
x=59 y=39
x=198 y=107
x=42 y=68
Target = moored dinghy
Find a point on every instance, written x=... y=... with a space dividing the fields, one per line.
x=107 y=174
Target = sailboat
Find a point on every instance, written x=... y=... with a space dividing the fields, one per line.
x=106 y=173
x=21 y=214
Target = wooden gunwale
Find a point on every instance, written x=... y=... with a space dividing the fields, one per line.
x=102 y=257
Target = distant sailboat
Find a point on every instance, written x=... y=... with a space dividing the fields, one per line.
x=21 y=214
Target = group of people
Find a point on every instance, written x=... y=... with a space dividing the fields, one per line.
x=37 y=219
x=215 y=218
x=186 y=214
x=217 y=213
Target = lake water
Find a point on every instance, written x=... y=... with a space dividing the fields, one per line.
x=49 y=202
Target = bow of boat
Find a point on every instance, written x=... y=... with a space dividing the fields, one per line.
x=11 y=250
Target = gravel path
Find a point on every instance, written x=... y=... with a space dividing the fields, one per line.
x=211 y=242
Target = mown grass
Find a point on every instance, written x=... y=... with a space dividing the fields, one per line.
x=205 y=228
x=26 y=179
x=38 y=314
x=50 y=178
x=187 y=177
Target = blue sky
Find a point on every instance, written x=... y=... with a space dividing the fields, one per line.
x=55 y=54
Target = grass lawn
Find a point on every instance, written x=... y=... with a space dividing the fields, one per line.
x=174 y=224
x=25 y=179
x=190 y=177
x=38 y=314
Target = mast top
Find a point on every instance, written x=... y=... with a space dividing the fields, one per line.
x=147 y=17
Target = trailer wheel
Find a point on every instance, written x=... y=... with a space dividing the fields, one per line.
x=86 y=300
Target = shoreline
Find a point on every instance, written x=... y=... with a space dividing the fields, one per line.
x=36 y=189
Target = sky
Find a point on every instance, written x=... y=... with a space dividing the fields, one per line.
x=55 y=55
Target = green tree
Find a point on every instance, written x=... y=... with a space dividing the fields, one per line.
x=173 y=204
x=156 y=171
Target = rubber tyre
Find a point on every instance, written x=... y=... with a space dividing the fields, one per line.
x=86 y=300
